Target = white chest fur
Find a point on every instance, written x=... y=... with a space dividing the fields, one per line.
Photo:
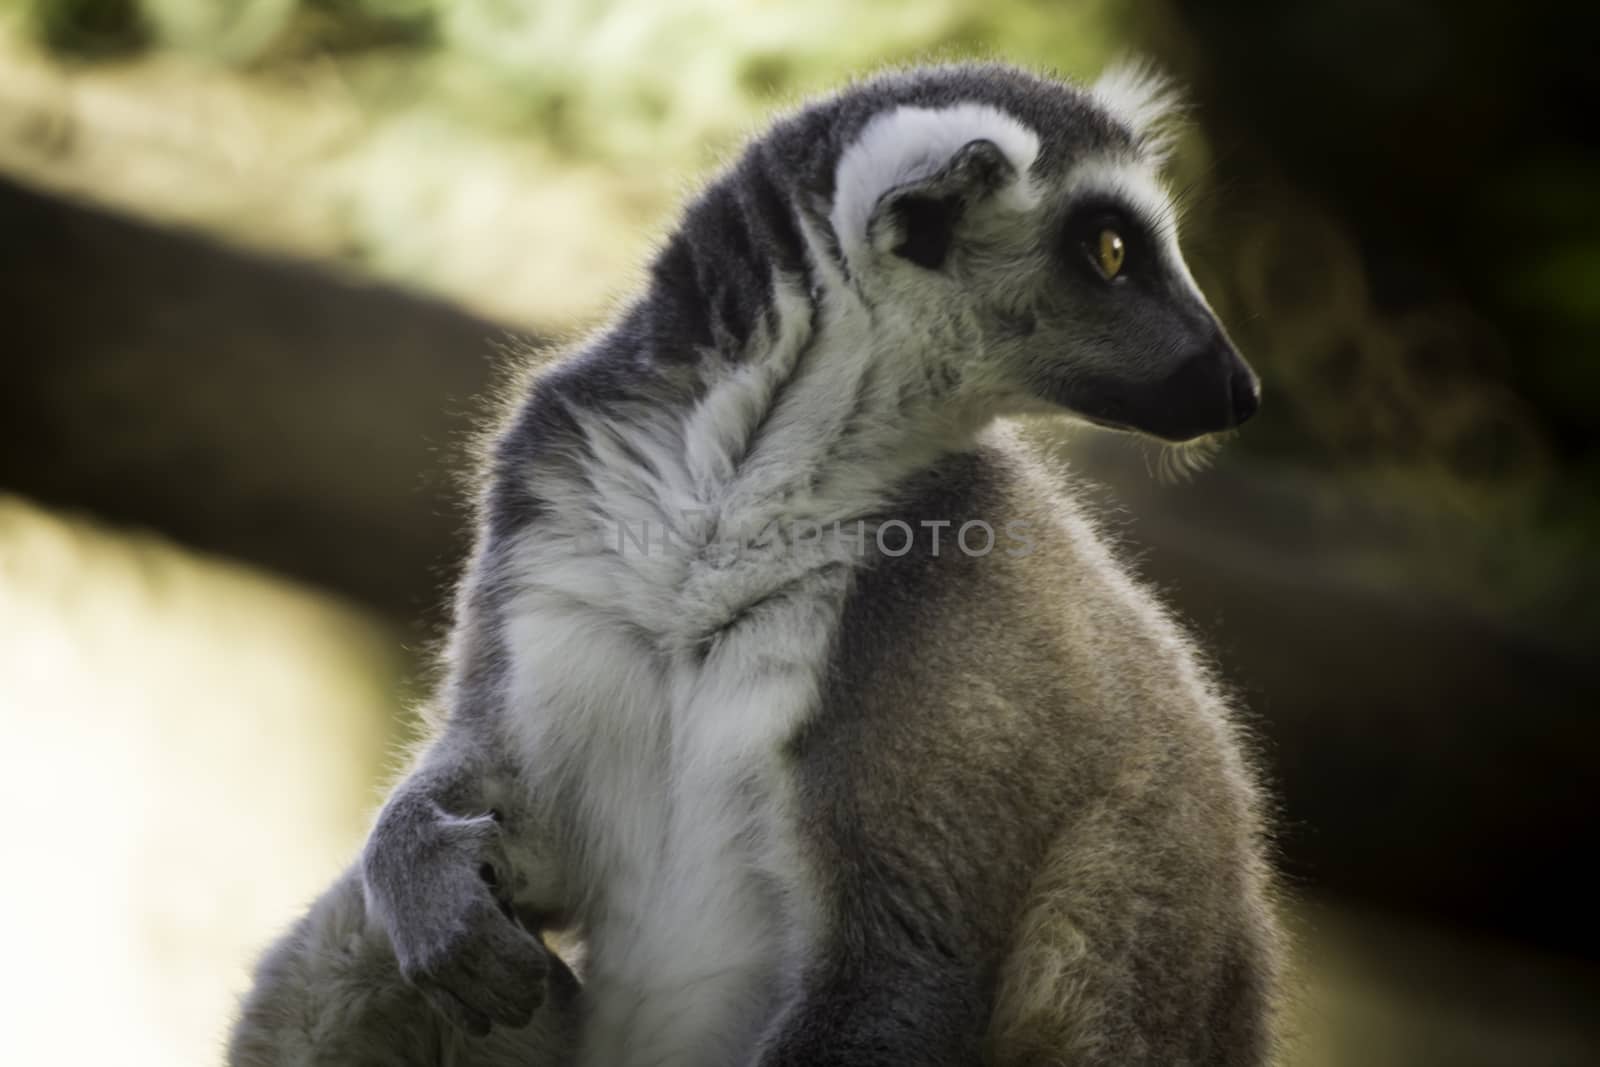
x=685 y=862
x=657 y=679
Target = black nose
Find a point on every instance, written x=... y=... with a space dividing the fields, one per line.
x=1210 y=391
x=1244 y=392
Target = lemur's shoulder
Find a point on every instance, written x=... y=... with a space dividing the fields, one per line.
x=1029 y=599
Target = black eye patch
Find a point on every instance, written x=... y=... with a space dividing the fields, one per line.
x=1079 y=241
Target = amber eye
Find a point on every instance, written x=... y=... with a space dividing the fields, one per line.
x=1111 y=253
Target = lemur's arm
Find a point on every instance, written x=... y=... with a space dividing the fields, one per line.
x=456 y=853
x=439 y=877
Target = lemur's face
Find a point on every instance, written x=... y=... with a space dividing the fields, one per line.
x=1111 y=325
x=1049 y=293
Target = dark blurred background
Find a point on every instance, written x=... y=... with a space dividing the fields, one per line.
x=260 y=261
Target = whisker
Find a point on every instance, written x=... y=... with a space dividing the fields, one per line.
x=1178 y=463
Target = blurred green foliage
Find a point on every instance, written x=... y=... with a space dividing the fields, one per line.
x=599 y=77
x=1423 y=307
x=90 y=28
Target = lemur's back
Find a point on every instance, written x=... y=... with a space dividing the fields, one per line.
x=1055 y=800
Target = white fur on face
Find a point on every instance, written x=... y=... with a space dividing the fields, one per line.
x=1131 y=182
x=910 y=144
x=1137 y=185
x=1144 y=101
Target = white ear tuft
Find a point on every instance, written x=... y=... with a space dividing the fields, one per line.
x=1144 y=100
x=910 y=144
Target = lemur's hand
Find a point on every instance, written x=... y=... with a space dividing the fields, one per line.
x=436 y=883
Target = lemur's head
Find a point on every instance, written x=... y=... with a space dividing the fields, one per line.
x=1025 y=220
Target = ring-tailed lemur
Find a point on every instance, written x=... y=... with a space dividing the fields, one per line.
x=791 y=681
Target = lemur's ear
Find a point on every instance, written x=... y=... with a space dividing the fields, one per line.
x=917 y=221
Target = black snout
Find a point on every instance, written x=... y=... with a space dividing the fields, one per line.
x=1212 y=389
